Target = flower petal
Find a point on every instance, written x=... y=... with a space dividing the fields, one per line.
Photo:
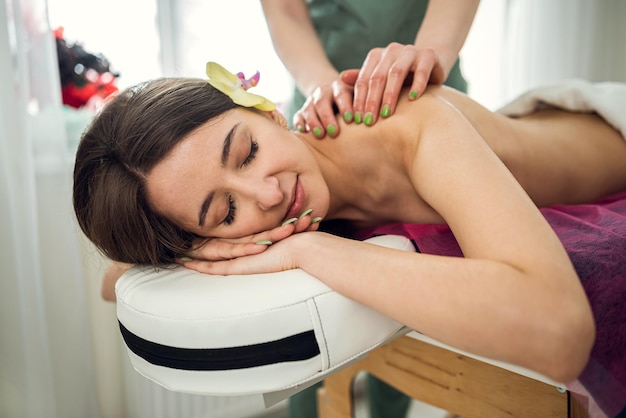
x=218 y=73
x=233 y=86
x=225 y=88
x=244 y=98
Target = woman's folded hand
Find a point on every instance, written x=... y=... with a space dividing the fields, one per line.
x=220 y=249
x=279 y=256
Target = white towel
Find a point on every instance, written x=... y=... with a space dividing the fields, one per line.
x=607 y=99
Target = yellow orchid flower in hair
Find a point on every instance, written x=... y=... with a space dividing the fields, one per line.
x=236 y=86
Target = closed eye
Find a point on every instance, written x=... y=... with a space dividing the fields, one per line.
x=254 y=147
x=230 y=217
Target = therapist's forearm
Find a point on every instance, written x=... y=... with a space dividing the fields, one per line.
x=297 y=44
x=445 y=28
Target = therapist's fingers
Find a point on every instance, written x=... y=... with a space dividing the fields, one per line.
x=350 y=76
x=363 y=84
x=397 y=76
x=308 y=119
x=343 y=94
x=298 y=122
x=324 y=103
x=317 y=112
x=391 y=67
x=428 y=69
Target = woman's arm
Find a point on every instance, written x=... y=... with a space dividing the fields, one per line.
x=515 y=296
x=111 y=276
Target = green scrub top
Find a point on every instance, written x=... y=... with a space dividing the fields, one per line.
x=349 y=29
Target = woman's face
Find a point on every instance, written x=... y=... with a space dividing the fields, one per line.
x=236 y=175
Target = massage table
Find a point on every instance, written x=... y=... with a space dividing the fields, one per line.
x=273 y=335
x=450 y=379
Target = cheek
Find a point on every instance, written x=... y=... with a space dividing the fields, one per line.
x=249 y=223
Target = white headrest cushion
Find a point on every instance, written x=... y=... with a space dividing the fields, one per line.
x=238 y=335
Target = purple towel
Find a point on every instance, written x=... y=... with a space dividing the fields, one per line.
x=594 y=236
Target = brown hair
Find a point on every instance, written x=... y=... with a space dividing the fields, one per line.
x=133 y=133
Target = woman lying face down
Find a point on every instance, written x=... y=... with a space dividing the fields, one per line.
x=175 y=160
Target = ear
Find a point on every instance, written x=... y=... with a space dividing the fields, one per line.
x=278 y=117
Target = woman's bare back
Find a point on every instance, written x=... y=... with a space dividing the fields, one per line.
x=557 y=156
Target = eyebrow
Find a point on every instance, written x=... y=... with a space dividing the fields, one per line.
x=227 y=142
x=225 y=154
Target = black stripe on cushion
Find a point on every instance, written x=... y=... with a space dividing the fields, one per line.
x=297 y=347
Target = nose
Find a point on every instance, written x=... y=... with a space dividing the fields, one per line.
x=266 y=193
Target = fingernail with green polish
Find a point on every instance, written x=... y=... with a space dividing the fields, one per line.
x=305 y=213
x=185 y=259
x=317 y=131
x=385 y=111
x=331 y=130
x=357 y=117
x=300 y=128
x=413 y=95
x=289 y=221
x=368 y=119
x=264 y=242
x=316 y=219
x=347 y=117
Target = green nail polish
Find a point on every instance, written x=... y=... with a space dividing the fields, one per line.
x=264 y=242
x=317 y=131
x=357 y=117
x=305 y=213
x=316 y=219
x=185 y=259
x=347 y=117
x=413 y=94
x=385 y=111
x=289 y=221
x=300 y=128
x=331 y=130
x=368 y=119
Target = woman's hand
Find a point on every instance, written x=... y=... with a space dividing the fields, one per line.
x=219 y=249
x=384 y=72
x=317 y=114
x=279 y=256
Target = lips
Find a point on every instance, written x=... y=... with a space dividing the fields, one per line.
x=297 y=204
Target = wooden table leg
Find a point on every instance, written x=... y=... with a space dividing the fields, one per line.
x=448 y=380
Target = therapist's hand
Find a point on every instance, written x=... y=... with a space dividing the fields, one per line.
x=317 y=114
x=383 y=74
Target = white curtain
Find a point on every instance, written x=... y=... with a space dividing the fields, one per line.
x=46 y=350
x=551 y=40
x=515 y=45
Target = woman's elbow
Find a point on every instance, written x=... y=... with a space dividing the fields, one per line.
x=110 y=277
x=574 y=335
